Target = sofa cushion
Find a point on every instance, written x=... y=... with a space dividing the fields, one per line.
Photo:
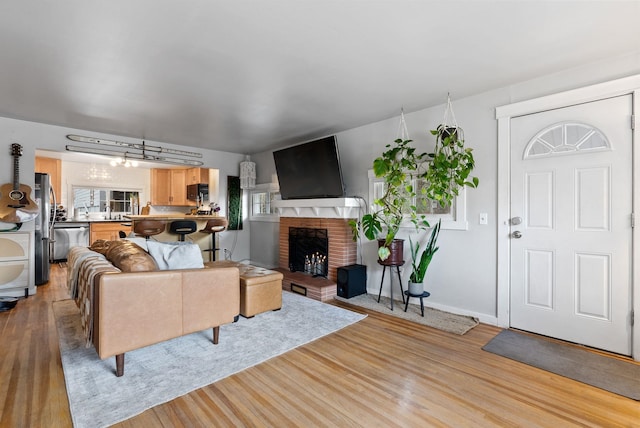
x=125 y=255
x=176 y=255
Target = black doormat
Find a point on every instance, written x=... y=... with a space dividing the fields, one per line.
x=608 y=373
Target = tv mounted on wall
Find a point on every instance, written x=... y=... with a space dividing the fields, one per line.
x=310 y=170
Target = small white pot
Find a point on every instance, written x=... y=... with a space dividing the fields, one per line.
x=416 y=288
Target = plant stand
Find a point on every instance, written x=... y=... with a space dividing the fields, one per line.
x=384 y=268
x=420 y=296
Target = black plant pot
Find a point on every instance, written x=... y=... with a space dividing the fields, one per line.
x=396 y=258
x=449 y=132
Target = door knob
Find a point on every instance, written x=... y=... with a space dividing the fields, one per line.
x=515 y=220
x=517 y=234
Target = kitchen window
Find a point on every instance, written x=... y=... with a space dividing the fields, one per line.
x=95 y=199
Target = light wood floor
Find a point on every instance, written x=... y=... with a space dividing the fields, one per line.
x=381 y=371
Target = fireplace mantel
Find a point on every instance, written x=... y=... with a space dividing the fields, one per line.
x=318 y=208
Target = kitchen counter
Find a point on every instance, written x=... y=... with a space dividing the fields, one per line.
x=106 y=220
x=170 y=216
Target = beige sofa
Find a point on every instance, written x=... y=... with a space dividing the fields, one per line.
x=130 y=310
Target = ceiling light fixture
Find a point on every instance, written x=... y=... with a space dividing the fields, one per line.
x=123 y=161
x=134 y=151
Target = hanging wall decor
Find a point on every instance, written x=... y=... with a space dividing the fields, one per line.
x=234 y=199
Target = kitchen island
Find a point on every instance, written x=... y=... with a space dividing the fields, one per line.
x=202 y=239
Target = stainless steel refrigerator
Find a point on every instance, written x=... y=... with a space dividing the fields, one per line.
x=45 y=197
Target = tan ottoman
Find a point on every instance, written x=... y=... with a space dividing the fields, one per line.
x=260 y=289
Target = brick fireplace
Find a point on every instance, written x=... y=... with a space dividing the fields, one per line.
x=330 y=215
x=342 y=251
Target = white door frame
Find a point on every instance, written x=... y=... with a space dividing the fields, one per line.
x=627 y=85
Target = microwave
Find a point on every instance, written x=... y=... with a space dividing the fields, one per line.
x=196 y=190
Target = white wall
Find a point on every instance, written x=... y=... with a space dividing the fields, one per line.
x=462 y=277
x=32 y=136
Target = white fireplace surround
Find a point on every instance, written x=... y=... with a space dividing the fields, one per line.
x=319 y=208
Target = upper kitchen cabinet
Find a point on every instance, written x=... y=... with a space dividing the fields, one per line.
x=53 y=167
x=198 y=176
x=169 y=187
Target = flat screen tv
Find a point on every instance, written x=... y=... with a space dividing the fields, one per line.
x=310 y=170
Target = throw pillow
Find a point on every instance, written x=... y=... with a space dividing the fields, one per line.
x=125 y=255
x=140 y=242
x=175 y=255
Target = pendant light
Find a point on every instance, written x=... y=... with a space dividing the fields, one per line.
x=247 y=174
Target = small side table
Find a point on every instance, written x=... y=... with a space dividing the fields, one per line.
x=384 y=269
x=421 y=296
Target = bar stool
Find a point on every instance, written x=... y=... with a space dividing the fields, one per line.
x=182 y=228
x=214 y=226
x=147 y=228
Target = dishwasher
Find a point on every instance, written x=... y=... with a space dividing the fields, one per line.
x=68 y=234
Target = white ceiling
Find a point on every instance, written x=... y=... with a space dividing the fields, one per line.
x=247 y=76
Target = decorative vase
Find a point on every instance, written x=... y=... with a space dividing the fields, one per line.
x=416 y=288
x=396 y=248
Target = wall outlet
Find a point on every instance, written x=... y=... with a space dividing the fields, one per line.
x=483 y=218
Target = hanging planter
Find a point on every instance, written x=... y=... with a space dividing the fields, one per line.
x=398 y=165
x=451 y=161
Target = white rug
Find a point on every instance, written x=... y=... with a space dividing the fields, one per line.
x=162 y=372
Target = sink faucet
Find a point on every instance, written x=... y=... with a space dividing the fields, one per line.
x=108 y=211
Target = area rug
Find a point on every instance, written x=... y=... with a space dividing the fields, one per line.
x=452 y=323
x=608 y=373
x=159 y=373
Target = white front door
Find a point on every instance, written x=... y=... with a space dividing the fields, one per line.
x=570 y=221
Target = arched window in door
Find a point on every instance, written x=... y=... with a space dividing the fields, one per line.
x=566 y=138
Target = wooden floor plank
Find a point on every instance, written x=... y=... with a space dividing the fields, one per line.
x=382 y=371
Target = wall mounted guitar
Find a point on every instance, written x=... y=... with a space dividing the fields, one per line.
x=16 y=205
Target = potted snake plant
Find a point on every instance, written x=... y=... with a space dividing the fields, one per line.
x=420 y=260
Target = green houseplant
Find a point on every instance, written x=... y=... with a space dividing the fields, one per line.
x=398 y=165
x=420 y=261
x=451 y=165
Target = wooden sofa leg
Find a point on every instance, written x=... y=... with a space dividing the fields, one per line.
x=119 y=365
x=216 y=334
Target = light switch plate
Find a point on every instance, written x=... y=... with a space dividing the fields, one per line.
x=483 y=218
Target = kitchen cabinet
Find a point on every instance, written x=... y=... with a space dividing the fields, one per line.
x=198 y=176
x=109 y=231
x=169 y=187
x=53 y=167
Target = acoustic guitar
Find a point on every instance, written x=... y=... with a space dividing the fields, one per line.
x=16 y=205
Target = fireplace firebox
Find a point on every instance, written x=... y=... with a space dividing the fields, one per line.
x=309 y=251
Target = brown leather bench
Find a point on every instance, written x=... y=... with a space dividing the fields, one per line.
x=260 y=289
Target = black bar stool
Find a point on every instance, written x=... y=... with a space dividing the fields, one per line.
x=182 y=228
x=214 y=226
x=147 y=228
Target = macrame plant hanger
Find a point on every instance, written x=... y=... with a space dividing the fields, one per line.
x=449 y=119
x=403 y=134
